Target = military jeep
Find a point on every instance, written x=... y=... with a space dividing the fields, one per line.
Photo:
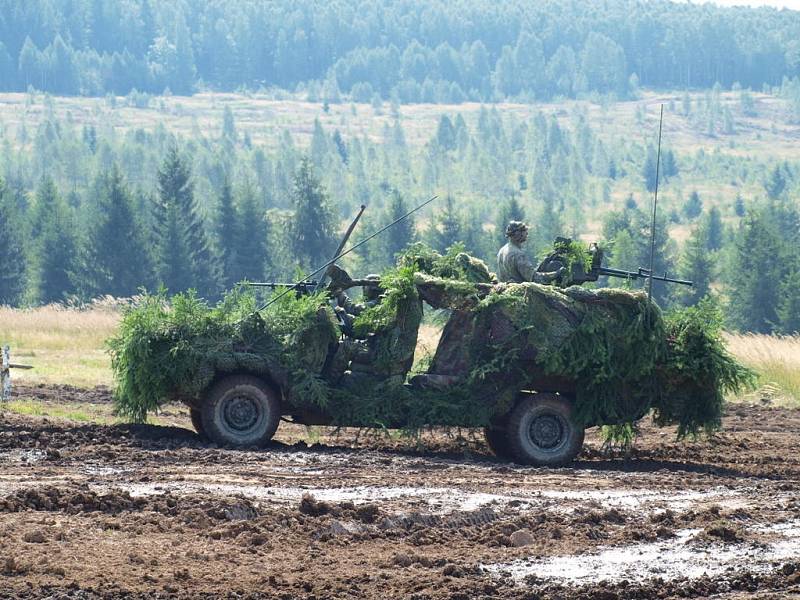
x=530 y=415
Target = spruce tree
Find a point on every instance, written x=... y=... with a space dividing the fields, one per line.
x=402 y=234
x=776 y=183
x=789 y=307
x=117 y=256
x=755 y=275
x=693 y=206
x=56 y=258
x=227 y=222
x=697 y=266
x=184 y=256
x=714 y=228
x=314 y=224
x=252 y=234
x=14 y=261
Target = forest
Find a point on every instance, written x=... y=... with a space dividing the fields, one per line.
x=121 y=169
x=411 y=51
x=89 y=209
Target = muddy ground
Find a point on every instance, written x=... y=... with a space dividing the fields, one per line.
x=90 y=511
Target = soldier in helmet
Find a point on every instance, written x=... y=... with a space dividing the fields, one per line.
x=513 y=264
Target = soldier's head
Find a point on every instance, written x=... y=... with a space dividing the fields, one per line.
x=517 y=232
x=372 y=291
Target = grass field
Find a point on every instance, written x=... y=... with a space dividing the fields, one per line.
x=67 y=346
x=64 y=346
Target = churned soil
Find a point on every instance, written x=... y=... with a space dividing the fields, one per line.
x=135 y=511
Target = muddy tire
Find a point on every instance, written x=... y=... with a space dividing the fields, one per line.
x=197 y=421
x=541 y=431
x=240 y=411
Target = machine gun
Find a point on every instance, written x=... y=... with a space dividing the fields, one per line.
x=567 y=254
x=303 y=287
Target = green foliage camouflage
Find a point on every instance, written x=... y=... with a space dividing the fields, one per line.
x=623 y=355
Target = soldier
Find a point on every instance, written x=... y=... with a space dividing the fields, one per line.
x=513 y=264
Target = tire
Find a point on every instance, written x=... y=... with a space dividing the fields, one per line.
x=541 y=431
x=197 y=422
x=240 y=411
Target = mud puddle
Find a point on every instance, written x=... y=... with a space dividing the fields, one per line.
x=443 y=500
x=681 y=557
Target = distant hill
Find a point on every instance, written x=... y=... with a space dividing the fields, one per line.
x=410 y=51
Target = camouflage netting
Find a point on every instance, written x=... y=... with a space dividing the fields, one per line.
x=167 y=350
x=622 y=355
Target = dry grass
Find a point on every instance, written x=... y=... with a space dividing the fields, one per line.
x=67 y=346
x=64 y=345
x=776 y=359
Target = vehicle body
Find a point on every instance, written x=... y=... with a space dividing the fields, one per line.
x=530 y=423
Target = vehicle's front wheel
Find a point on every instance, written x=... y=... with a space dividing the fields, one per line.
x=541 y=431
x=241 y=410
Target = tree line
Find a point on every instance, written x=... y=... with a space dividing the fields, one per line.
x=416 y=51
x=87 y=210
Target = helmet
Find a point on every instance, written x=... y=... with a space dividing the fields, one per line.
x=515 y=227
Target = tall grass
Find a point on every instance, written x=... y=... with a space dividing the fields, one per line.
x=64 y=345
x=67 y=345
x=776 y=359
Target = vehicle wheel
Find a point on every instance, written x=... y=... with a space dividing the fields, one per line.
x=197 y=421
x=541 y=431
x=241 y=410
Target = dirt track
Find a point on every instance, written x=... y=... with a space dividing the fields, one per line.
x=139 y=511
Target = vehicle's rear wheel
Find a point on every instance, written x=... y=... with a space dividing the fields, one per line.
x=197 y=421
x=240 y=410
x=541 y=431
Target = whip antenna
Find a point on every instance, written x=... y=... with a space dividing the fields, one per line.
x=348 y=251
x=655 y=204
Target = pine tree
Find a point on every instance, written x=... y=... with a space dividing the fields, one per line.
x=117 y=257
x=776 y=184
x=56 y=259
x=738 y=206
x=693 y=206
x=789 y=307
x=402 y=234
x=229 y=126
x=227 y=222
x=714 y=228
x=446 y=134
x=14 y=261
x=649 y=170
x=252 y=238
x=184 y=255
x=755 y=275
x=314 y=224
x=697 y=266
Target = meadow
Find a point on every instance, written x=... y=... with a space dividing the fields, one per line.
x=66 y=346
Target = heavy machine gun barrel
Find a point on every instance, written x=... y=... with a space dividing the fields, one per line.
x=640 y=274
x=307 y=286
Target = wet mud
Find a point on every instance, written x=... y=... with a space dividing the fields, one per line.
x=90 y=511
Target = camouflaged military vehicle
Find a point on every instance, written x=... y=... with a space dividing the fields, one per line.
x=532 y=365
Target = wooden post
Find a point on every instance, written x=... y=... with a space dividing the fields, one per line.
x=5 y=374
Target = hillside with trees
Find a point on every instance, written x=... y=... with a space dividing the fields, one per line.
x=414 y=51
x=503 y=110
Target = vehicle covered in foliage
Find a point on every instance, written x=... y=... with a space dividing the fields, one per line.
x=533 y=365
